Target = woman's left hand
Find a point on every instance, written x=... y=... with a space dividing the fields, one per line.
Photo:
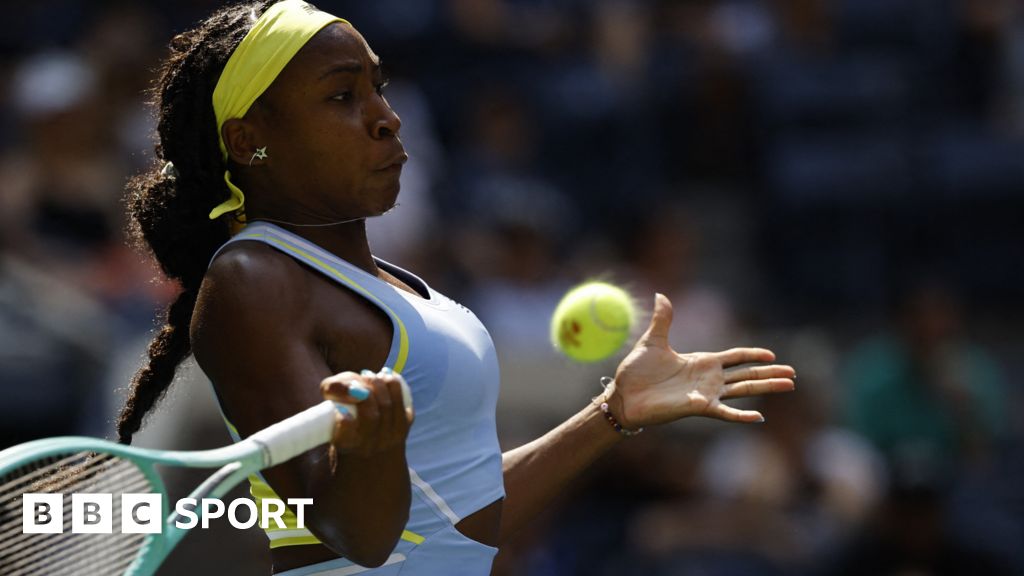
x=655 y=384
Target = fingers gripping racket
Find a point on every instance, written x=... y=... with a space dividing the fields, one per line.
x=68 y=465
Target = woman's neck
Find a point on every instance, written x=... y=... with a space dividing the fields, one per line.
x=345 y=240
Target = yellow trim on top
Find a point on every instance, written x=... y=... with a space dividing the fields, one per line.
x=403 y=335
x=260 y=489
x=294 y=541
x=412 y=537
x=309 y=540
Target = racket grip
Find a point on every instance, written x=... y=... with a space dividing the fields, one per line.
x=297 y=434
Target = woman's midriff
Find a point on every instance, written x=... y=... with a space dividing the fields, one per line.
x=483 y=526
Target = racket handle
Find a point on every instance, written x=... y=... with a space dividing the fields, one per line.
x=299 y=433
x=353 y=410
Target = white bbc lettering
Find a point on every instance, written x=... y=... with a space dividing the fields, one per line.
x=300 y=510
x=141 y=513
x=212 y=508
x=42 y=514
x=277 y=513
x=185 y=508
x=233 y=513
x=91 y=513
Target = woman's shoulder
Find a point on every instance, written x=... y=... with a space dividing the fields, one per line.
x=254 y=289
x=258 y=306
x=248 y=287
x=252 y=273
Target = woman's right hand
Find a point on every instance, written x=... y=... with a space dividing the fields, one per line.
x=383 y=417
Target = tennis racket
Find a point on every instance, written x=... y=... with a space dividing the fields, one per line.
x=72 y=464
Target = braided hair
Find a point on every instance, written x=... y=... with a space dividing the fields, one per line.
x=168 y=212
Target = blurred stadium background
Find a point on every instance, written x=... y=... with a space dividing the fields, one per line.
x=839 y=180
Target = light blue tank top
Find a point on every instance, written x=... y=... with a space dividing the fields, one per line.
x=449 y=361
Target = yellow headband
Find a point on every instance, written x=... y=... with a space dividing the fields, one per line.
x=275 y=38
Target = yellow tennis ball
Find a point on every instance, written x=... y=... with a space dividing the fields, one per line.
x=592 y=321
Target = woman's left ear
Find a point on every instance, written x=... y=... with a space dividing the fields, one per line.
x=242 y=140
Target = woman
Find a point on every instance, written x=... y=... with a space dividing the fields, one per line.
x=293 y=308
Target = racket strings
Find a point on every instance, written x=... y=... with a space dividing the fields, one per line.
x=64 y=555
x=69 y=554
x=68 y=559
x=26 y=475
x=53 y=477
x=14 y=536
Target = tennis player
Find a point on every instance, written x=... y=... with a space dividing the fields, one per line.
x=275 y=144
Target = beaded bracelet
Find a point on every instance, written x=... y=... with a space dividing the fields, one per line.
x=605 y=382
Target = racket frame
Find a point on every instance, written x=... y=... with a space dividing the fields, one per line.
x=268 y=447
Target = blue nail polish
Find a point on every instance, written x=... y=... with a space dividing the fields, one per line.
x=367 y=373
x=386 y=370
x=343 y=409
x=359 y=392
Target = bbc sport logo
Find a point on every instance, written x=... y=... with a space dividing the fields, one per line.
x=143 y=513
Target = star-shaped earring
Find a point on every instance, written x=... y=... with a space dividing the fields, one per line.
x=260 y=154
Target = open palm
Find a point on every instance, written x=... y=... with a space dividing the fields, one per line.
x=655 y=384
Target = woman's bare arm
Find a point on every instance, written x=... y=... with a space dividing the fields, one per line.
x=254 y=333
x=538 y=471
x=653 y=385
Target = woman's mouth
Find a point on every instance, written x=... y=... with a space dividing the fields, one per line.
x=395 y=163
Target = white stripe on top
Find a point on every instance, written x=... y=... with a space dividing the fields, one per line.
x=434 y=497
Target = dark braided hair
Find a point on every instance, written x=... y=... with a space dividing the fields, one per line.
x=168 y=213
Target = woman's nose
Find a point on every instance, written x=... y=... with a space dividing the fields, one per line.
x=388 y=123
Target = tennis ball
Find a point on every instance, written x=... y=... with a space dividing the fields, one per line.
x=592 y=321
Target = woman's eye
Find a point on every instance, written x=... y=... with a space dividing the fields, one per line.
x=381 y=86
x=342 y=97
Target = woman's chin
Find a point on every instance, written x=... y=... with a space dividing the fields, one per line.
x=389 y=200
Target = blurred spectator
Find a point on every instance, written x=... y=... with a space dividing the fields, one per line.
x=798 y=483
x=66 y=176
x=666 y=255
x=925 y=390
x=913 y=533
x=54 y=352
